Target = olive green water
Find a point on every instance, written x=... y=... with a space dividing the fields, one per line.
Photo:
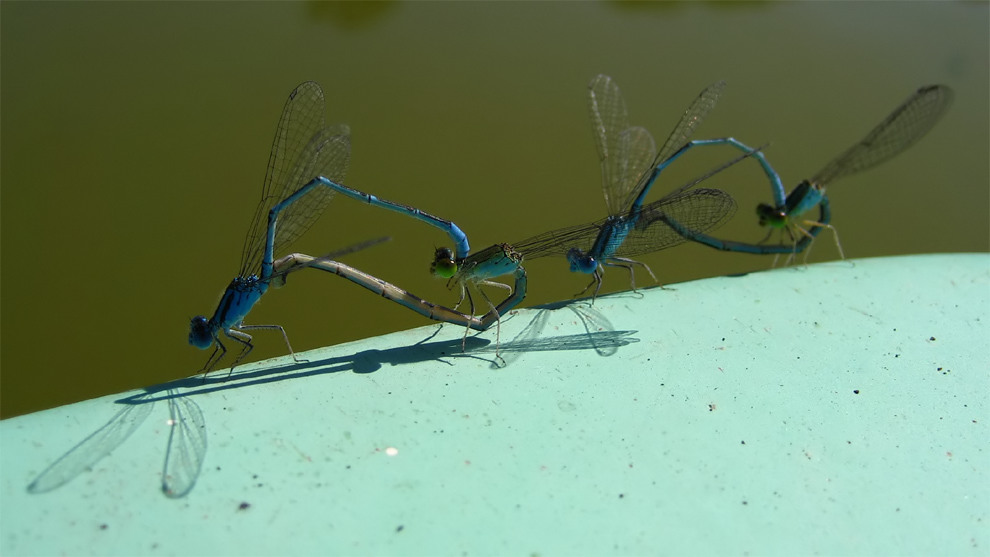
x=135 y=138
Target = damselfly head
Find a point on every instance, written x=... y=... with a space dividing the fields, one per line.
x=771 y=216
x=581 y=263
x=443 y=265
x=200 y=335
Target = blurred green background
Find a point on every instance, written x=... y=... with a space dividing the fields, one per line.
x=135 y=138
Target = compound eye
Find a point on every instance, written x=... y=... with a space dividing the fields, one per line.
x=443 y=264
x=199 y=333
x=770 y=216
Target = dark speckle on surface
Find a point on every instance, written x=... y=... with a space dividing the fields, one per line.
x=856 y=391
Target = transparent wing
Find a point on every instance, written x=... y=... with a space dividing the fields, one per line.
x=186 y=447
x=690 y=120
x=293 y=151
x=679 y=137
x=558 y=242
x=635 y=150
x=908 y=123
x=603 y=342
x=328 y=154
x=700 y=209
x=595 y=325
x=93 y=448
x=609 y=118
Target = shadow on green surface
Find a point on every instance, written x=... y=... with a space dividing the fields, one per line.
x=185 y=449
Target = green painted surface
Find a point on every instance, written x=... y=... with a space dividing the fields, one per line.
x=835 y=409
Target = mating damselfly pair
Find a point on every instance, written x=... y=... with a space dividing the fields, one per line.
x=309 y=161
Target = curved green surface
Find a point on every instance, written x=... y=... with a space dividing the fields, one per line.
x=835 y=409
